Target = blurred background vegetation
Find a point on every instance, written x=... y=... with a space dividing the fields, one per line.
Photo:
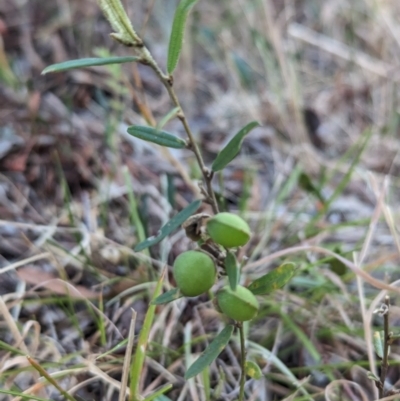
x=77 y=193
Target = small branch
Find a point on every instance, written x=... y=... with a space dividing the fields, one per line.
x=167 y=81
x=242 y=361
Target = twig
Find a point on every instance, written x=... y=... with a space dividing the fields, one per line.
x=167 y=81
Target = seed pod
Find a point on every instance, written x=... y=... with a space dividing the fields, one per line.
x=228 y=230
x=240 y=305
x=194 y=273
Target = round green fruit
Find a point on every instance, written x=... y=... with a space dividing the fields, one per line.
x=194 y=273
x=228 y=230
x=240 y=305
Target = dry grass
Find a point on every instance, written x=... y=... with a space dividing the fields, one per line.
x=322 y=78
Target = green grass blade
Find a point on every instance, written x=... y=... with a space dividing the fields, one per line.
x=10 y=348
x=231 y=150
x=307 y=343
x=140 y=354
x=50 y=379
x=257 y=349
x=176 y=38
x=210 y=353
x=346 y=179
x=113 y=349
x=87 y=62
x=22 y=395
x=158 y=393
x=206 y=383
x=156 y=136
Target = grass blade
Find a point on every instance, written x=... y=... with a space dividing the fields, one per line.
x=43 y=372
x=22 y=395
x=140 y=354
x=158 y=393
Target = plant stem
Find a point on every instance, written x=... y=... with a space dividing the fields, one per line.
x=242 y=361
x=385 y=363
x=167 y=81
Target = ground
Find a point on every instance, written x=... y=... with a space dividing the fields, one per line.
x=318 y=182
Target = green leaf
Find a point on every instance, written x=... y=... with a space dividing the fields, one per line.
x=87 y=62
x=157 y=136
x=169 y=116
x=20 y=394
x=371 y=376
x=232 y=149
x=232 y=270
x=178 y=28
x=306 y=183
x=114 y=11
x=273 y=280
x=158 y=393
x=172 y=225
x=169 y=296
x=244 y=71
x=210 y=353
x=253 y=370
x=379 y=343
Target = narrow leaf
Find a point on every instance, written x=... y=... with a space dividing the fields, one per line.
x=172 y=225
x=210 y=353
x=371 y=376
x=158 y=393
x=232 y=270
x=178 y=28
x=379 y=343
x=154 y=135
x=115 y=13
x=87 y=62
x=50 y=379
x=231 y=150
x=253 y=370
x=169 y=116
x=306 y=183
x=301 y=335
x=19 y=394
x=244 y=71
x=273 y=280
x=167 y=297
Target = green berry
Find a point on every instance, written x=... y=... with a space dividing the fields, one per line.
x=240 y=305
x=228 y=230
x=194 y=273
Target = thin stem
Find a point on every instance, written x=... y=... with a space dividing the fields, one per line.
x=385 y=363
x=167 y=81
x=242 y=361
